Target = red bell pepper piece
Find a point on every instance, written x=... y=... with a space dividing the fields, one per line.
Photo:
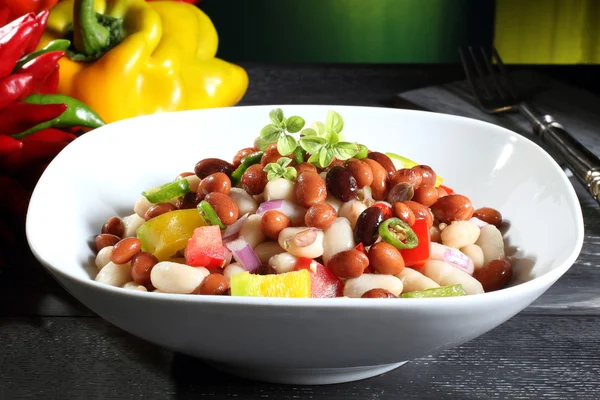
x=387 y=210
x=18 y=117
x=12 y=46
x=447 y=189
x=41 y=19
x=323 y=283
x=419 y=255
x=50 y=85
x=13 y=86
x=205 y=248
x=40 y=68
x=361 y=247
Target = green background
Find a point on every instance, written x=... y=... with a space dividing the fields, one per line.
x=352 y=31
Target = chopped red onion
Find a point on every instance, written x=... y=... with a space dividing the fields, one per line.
x=231 y=232
x=453 y=257
x=244 y=254
x=294 y=212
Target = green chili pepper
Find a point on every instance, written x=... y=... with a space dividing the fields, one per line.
x=363 y=152
x=444 y=291
x=299 y=154
x=397 y=233
x=167 y=192
x=55 y=45
x=208 y=214
x=76 y=114
x=247 y=161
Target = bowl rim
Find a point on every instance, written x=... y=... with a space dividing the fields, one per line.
x=539 y=283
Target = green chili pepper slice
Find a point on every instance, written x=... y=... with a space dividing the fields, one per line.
x=444 y=291
x=363 y=152
x=397 y=233
x=247 y=161
x=168 y=191
x=209 y=215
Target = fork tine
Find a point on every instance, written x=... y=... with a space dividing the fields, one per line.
x=480 y=72
x=504 y=73
x=479 y=96
x=493 y=74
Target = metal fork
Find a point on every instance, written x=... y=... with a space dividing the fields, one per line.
x=493 y=90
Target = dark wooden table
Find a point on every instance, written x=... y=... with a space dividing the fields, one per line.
x=52 y=347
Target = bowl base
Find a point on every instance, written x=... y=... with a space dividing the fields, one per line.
x=305 y=376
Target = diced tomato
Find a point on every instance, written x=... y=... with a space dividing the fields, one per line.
x=447 y=189
x=387 y=210
x=205 y=248
x=323 y=283
x=420 y=254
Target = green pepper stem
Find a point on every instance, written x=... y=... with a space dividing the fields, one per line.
x=89 y=36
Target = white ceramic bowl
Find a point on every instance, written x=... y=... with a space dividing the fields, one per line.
x=304 y=341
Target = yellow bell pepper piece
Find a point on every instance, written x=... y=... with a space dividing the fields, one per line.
x=166 y=61
x=289 y=284
x=166 y=235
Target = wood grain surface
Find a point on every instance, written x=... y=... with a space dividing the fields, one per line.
x=55 y=348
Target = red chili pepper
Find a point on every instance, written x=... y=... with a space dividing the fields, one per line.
x=41 y=19
x=9 y=145
x=51 y=83
x=50 y=135
x=13 y=86
x=18 y=117
x=6 y=29
x=22 y=7
x=447 y=189
x=4 y=14
x=34 y=152
x=387 y=210
x=12 y=46
x=40 y=67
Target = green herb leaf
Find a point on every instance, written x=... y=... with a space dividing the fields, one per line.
x=294 y=124
x=286 y=145
x=312 y=144
x=273 y=171
x=261 y=144
x=314 y=158
x=290 y=173
x=277 y=117
x=308 y=132
x=344 y=150
x=319 y=127
x=325 y=157
x=284 y=161
x=299 y=154
x=334 y=122
x=270 y=133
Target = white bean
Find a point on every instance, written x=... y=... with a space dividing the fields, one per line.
x=333 y=202
x=414 y=281
x=338 y=237
x=251 y=231
x=451 y=256
x=232 y=269
x=444 y=274
x=356 y=287
x=302 y=241
x=283 y=262
x=266 y=250
x=460 y=234
x=491 y=243
x=279 y=189
x=351 y=210
x=323 y=175
x=170 y=277
x=134 y=286
x=194 y=182
x=103 y=257
x=475 y=253
x=114 y=274
x=132 y=223
x=141 y=206
x=296 y=214
x=245 y=202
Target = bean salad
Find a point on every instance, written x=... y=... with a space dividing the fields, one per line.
x=304 y=213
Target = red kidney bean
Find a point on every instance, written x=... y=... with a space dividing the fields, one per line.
x=310 y=189
x=341 y=184
x=273 y=222
x=366 y=229
x=159 y=209
x=254 y=179
x=454 y=207
x=189 y=200
x=209 y=166
x=114 y=226
x=106 y=239
x=141 y=267
x=224 y=206
x=489 y=215
x=320 y=216
x=384 y=161
x=494 y=275
x=385 y=259
x=125 y=249
x=428 y=176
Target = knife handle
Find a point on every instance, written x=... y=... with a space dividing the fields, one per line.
x=583 y=163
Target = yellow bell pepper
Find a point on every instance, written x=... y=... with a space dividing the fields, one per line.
x=165 y=61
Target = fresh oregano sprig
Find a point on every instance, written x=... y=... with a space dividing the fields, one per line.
x=280 y=169
x=275 y=132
